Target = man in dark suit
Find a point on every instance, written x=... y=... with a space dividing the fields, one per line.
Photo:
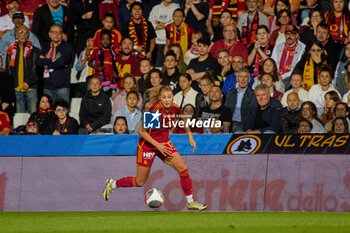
x=48 y=15
x=265 y=116
x=240 y=99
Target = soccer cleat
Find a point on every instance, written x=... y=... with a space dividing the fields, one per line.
x=108 y=189
x=193 y=205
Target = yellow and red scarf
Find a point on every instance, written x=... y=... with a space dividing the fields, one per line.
x=286 y=62
x=308 y=74
x=183 y=40
x=12 y=51
x=133 y=34
x=248 y=36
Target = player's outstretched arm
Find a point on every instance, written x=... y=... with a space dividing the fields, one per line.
x=160 y=146
x=190 y=138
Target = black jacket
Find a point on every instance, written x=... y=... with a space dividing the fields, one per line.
x=248 y=101
x=271 y=115
x=45 y=122
x=71 y=126
x=290 y=120
x=7 y=93
x=60 y=76
x=42 y=21
x=200 y=102
x=29 y=69
x=85 y=28
x=95 y=110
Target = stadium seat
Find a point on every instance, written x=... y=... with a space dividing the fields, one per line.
x=75 y=105
x=75 y=115
x=20 y=119
x=108 y=127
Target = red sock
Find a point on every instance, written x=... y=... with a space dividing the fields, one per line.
x=186 y=182
x=127 y=181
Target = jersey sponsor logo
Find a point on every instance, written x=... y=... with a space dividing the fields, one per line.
x=148 y=155
x=151 y=120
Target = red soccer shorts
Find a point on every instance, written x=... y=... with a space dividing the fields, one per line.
x=145 y=154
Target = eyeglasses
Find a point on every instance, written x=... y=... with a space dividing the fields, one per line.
x=22 y=32
x=316 y=15
x=284 y=16
x=340 y=109
x=56 y=32
x=304 y=127
x=61 y=110
x=316 y=50
x=227 y=30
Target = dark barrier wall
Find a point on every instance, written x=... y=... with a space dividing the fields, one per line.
x=224 y=182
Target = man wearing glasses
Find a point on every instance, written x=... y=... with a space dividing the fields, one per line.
x=229 y=43
x=18 y=19
x=56 y=58
x=230 y=81
x=20 y=63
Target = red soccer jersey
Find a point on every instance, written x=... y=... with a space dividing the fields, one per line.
x=162 y=134
x=131 y=66
x=170 y=35
x=116 y=38
x=4 y=121
x=107 y=65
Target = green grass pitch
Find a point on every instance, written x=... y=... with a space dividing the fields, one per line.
x=179 y=222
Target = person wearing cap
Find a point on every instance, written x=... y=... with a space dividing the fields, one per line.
x=230 y=43
x=32 y=128
x=141 y=31
x=6 y=21
x=18 y=19
x=249 y=22
x=287 y=54
x=52 y=13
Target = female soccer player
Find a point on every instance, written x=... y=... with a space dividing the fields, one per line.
x=156 y=142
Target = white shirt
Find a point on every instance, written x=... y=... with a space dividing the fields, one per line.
x=164 y=14
x=316 y=95
x=303 y=96
x=345 y=97
x=277 y=55
x=7 y=24
x=190 y=98
x=243 y=20
x=317 y=127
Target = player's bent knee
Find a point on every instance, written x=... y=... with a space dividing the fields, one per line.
x=182 y=168
x=141 y=182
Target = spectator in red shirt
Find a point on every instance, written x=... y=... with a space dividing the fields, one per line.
x=230 y=43
x=178 y=32
x=5 y=125
x=103 y=60
x=109 y=24
x=127 y=62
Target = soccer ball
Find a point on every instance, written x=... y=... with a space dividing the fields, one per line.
x=154 y=198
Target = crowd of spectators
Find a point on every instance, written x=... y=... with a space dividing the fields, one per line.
x=255 y=66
